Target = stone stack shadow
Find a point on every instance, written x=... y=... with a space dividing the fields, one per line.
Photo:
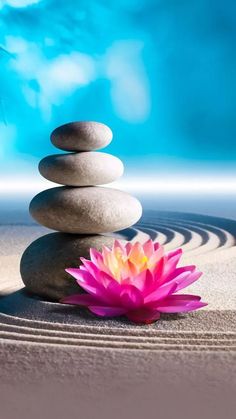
x=83 y=214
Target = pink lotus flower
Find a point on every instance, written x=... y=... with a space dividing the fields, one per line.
x=135 y=280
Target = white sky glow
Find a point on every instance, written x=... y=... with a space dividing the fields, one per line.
x=148 y=185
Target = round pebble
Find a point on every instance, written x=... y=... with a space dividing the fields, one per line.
x=85 y=210
x=81 y=169
x=81 y=136
x=44 y=262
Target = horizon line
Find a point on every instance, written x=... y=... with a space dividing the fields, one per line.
x=144 y=185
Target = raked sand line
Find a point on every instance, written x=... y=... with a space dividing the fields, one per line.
x=163 y=337
x=202 y=238
x=115 y=338
x=14 y=323
x=98 y=343
x=220 y=237
x=194 y=237
x=10 y=323
x=62 y=337
x=226 y=341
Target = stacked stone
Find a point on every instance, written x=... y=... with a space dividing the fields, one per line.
x=79 y=207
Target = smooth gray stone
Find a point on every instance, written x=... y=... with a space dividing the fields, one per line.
x=44 y=261
x=85 y=210
x=81 y=136
x=81 y=169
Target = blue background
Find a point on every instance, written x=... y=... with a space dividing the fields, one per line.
x=160 y=73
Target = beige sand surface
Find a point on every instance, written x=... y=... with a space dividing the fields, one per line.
x=61 y=362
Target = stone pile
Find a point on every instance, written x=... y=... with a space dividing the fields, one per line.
x=79 y=207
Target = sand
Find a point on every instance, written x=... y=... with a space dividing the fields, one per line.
x=61 y=361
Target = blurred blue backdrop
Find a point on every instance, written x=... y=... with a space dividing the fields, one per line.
x=160 y=73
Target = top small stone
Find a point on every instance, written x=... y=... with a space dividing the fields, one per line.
x=81 y=136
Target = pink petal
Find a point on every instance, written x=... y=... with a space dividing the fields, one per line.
x=88 y=283
x=156 y=256
x=83 y=278
x=148 y=248
x=113 y=292
x=183 y=276
x=136 y=253
x=158 y=270
x=130 y=296
x=80 y=299
x=182 y=308
x=178 y=271
x=107 y=311
x=90 y=267
x=95 y=255
x=171 y=263
x=118 y=244
x=139 y=280
x=103 y=279
x=172 y=260
x=174 y=253
x=149 y=282
x=106 y=254
x=185 y=282
x=144 y=282
x=180 y=303
x=174 y=257
x=179 y=279
x=73 y=272
x=196 y=305
x=128 y=248
x=127 y=270
x=157 y=246
x=132 y=268
x=184 y=297
x=143 y=315
x=77 y=273
x=160 y=293
x=178 y=299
